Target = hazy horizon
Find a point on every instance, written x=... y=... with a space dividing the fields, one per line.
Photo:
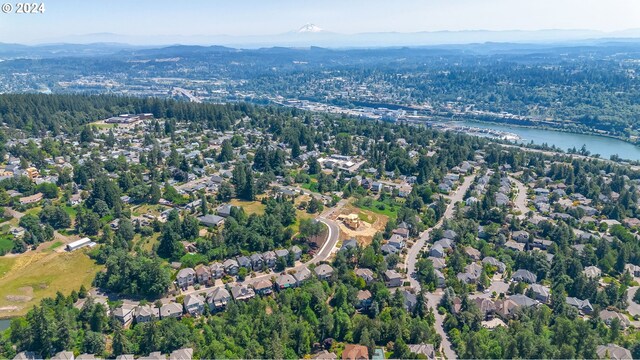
x=146 y=20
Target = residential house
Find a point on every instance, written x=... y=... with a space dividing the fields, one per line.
x=446 y=243
x=388 y=249
x=440 y=277
x=242 y=292
x=486 y=306
x=473 y=253
x=365 y=274
x=409 y=300
x=282 y=253
x=263 y=287
x=302 y=275
x=26 y=355
x=608 y=316
x=539 y=292
x=269 y=259
x=437 y=251
x=244 y=262
x=396 y=241
x=217 y=270
x=63 y=355
x=449 y=234
x=230 y=266
x=285 y=281
x=186 y=277
x=211 y=220
x=181 y=354
x=584 y=306
x=146 y=313
x=349 y=244
x=634 y=270
x=404 y=233
x=257 y=262
x=218 y=298
x=592 y=272
x=296 y=251
x=525 y=276
x=520 y=236
x=324 y=355
x=392 y=278
x=171 y=309
x=427 y=350
x=203 y=274
x=364 y=299
x=124 y=314
x=224 y=210
x=613 y=352
x=438 y=263
x=355 y=352
x=323 y=271
x=194 y=304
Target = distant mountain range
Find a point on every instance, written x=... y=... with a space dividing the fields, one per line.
x=313 y=35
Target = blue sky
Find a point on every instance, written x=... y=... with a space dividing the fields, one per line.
x=262 y=17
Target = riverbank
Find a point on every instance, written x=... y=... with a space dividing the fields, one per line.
x=547 y=128
x=604 y=146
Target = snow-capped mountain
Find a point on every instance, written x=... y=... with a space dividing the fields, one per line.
x=310 y=28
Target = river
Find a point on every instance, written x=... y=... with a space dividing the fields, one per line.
x=602 y=145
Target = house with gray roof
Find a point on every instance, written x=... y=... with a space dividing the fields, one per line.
x=218 y=298
x=146 y=313
x=171 y=309
x=257 y=262
x=525 y=276
x=186 y=277
x=365 y=274
x=302 y=275
x=230 y=266
x=285 y=281
x=437 y=251
x=392 y=278
x=242 y=292
x=194 y=304
x=211 y=220
x=263 y=287
x=584 y=306
x=297 y=252
x=323 y=271
x=540 y=293
x=613 y=352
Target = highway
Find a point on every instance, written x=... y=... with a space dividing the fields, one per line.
x=433 y=299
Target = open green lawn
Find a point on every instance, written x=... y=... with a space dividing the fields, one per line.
x=27 y=278
x=71 y=211
x=34 y=211
x=386 y=208
x=250 y=207
x=6 y=243
x=55 y=245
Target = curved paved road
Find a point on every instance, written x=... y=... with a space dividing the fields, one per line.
x=433 y=299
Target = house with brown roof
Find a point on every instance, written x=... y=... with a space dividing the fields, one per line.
x=355 y=352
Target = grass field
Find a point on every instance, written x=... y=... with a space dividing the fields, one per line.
x=30 y=277
x=6 y=243
x=70 y=211
x=55 y=245
x=386 y=208
x=250 y=207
